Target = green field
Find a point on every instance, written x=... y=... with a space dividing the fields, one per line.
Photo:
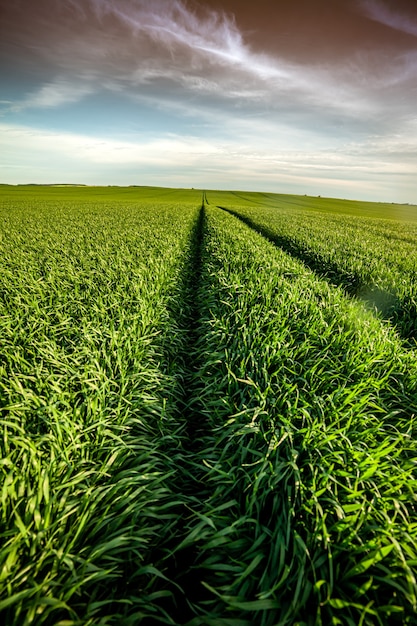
x=209 y=408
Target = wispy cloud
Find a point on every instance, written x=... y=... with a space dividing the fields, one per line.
x=55 y=93
x=196 y=42
x=378 y=11
x=167 y=150
x=187 y=53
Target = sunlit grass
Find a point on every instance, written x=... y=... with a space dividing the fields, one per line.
x=373 y=259
x=90 y=329
x=197 y=428
x=310 y=456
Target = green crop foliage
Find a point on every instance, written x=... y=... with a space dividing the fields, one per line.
x=374 y=259
x=316 y=204
x=90 y=327
x=310 y=453
x=198 y=427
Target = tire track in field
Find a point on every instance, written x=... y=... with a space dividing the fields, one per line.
x=386 y=304
x=193 y=329
x=183 y=578
x=288 y=245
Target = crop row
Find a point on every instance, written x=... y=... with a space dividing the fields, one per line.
x=373 y=259
x=309 y=515
x=92 y=332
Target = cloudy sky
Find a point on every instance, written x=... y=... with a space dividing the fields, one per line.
x=307 y=96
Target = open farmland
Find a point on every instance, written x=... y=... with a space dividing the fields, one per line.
x=208 y=414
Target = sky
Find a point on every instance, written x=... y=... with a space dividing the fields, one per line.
x=315 y=97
